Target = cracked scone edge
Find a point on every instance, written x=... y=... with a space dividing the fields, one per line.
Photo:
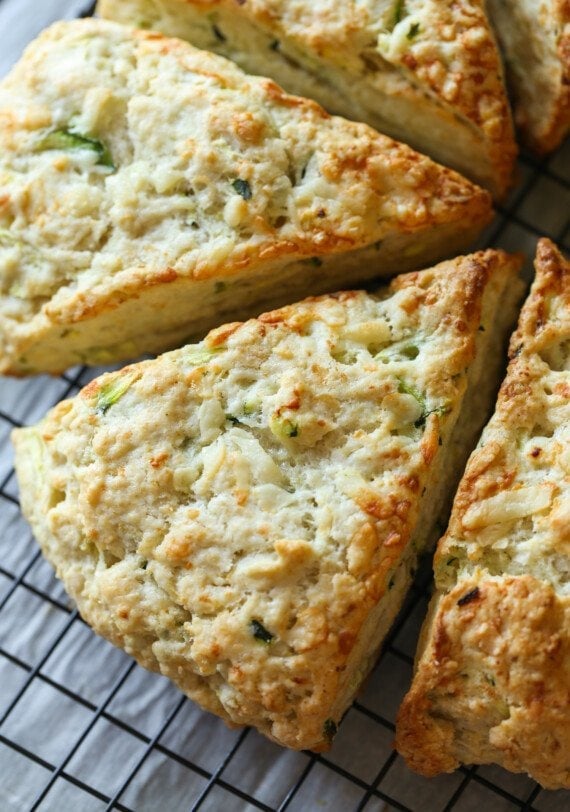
x=120 y=234
x=354 y=426
x=493 y=666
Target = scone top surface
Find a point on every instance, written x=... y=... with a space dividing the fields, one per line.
x=493 y=678
x=437 y=56
x=232 y=512
x=141 y=180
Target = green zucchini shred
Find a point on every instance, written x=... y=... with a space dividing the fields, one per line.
x=413 y=31
x=231 y=418
x=282 y=427
x=408 y=389
x=399 y=12
x=112 y=391
x=196 y=356
x=66 y=140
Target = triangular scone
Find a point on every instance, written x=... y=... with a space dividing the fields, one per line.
x=244 y=514
x=425 y=72
x=535 y=39
x=148 y=191
x=493 y=678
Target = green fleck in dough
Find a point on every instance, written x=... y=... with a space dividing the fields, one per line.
x=260 y=632
x=113 y=391
x=67 y=140
x=243 y=188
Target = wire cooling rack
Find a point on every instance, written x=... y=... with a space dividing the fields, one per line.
x=83 y=728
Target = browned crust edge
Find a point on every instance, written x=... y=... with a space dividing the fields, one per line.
x=454 y=290
x=493 y=673
x=496 y=666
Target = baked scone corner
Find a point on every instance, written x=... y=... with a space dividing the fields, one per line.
x=151 y=191
x=492 y=681
x=244 y=515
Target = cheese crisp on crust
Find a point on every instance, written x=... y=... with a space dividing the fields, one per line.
x=535 y=38
x=148 y=191
x=427 y=72
x=244 y=514
x=493 y=677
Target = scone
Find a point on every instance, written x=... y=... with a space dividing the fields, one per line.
x=426 y=72
x=493 y=677
x=535 y=39
x=150 y=191
x=244 y=514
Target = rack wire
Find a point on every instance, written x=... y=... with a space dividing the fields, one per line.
x=82 y=727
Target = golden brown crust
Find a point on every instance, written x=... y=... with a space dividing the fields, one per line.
x=473 y=83
x=179 y=248
x=493 y=674
x=284 y=471
x=551 y=289
x=437 y=56
x=493 y=683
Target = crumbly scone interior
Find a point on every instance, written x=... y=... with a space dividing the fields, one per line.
x=233 y=513
x=369 y=73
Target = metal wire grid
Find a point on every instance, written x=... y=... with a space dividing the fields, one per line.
x=82 y=727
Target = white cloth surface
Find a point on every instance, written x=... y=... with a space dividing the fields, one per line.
x=22 y=20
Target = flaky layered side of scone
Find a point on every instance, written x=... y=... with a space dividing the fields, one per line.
x=493 y=676
x=150 y=191
x=244 y=515
x=426 y=72
x=535 y=39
